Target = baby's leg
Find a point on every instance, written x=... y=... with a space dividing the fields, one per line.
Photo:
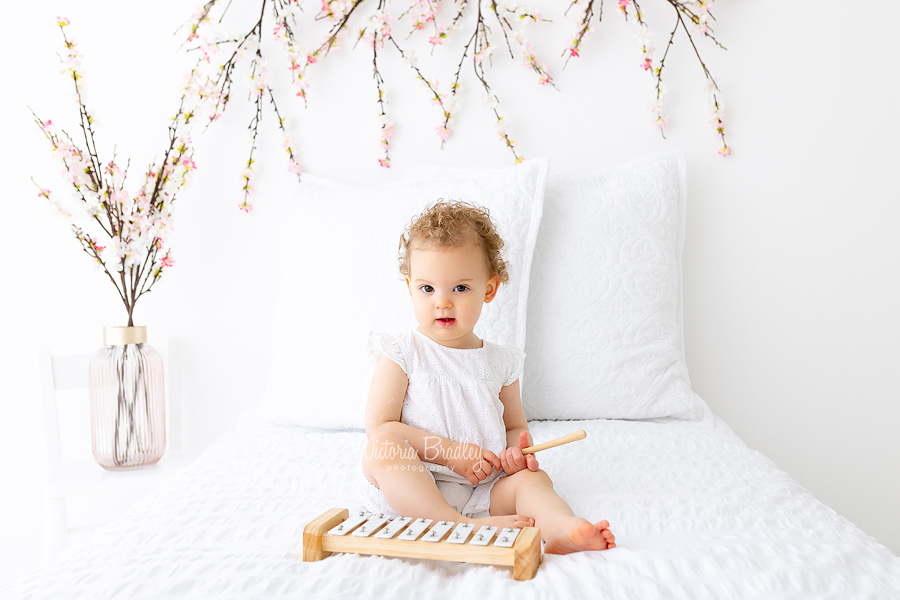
x=532 y=493
x=393 y=466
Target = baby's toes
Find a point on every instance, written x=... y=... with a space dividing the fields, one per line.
x=610 y=538
x=522 y=521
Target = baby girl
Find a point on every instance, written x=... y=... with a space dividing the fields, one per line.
x=444 y=416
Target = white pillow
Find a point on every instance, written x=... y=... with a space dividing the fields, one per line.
x=341 y=280
x=605 y=336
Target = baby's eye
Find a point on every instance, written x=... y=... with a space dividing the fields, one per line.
x=426 y=288
x=460 y=288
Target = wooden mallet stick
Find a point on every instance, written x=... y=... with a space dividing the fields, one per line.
x=572 y=437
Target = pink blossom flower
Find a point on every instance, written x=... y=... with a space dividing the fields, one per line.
x=574 y=52
x=624 y=4
x=118 y=247
x=443 y=133
x=168 y=261
x=483 y=55
x=44 y=193
x=646 y=64
x=245 y=206
x=62 y=21
x=387 y=132
x=164 y=221
x=438 y=38
x=294 y=167
x=311 y=59
x=725 y=151
x=385 y=162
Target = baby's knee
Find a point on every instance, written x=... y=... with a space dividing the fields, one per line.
x=528 y=477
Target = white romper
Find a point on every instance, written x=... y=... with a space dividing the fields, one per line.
x=454 y=393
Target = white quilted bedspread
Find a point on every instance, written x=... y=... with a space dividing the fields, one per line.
x=695 y=512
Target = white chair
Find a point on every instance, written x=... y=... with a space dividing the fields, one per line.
x=82 y=495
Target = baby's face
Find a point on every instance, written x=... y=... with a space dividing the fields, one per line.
x=449 y=287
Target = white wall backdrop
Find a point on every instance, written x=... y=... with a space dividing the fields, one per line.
x=791 y=265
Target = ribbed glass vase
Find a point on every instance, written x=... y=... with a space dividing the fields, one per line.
x=128 y=405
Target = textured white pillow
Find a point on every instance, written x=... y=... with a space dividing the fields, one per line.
x=605 y=336
x=341 y=281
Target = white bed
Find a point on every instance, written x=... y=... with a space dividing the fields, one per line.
x=597 y=262
x=695 y=512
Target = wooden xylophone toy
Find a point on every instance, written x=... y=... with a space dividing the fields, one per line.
x=364 y=533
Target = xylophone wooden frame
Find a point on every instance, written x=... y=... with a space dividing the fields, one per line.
x=524 y=556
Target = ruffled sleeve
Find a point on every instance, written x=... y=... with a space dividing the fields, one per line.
x=514 y=363
x=385 y=344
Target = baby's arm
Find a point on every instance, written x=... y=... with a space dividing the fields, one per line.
x=383 y=410
x=517 y=436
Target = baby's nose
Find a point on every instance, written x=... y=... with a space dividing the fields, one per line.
x=443 y=302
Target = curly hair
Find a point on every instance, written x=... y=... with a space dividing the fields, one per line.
x=453 y=224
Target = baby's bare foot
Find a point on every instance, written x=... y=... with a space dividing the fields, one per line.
x=576 y=535
x=518 y=521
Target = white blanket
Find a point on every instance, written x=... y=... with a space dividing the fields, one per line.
x=696 y=514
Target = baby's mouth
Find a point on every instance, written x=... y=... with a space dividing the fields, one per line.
x=446 y=321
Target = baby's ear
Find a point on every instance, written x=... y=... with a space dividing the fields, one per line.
x=493 y=287
x=407 y=286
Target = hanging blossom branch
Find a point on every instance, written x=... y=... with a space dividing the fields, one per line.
x=219 y=56
x=379 y=31
x=219 y=74
x=584 y=28
x=698 y=12
x=482 y=50
x=136 y=227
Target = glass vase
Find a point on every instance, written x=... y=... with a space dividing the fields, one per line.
x=128 y=406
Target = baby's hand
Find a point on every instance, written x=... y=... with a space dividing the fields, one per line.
x=512 y=460
x=472 y=461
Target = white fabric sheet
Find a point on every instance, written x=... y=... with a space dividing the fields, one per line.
x=696 y=514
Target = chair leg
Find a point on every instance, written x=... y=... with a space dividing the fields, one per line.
x=54 y=527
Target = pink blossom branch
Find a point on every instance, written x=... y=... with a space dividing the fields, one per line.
x=90 y=248
x=478 y=68
x=289 y=149
x=329 y=43
x=423 y=16
x=107 y=194
x=584 y=28
x=385 y=129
